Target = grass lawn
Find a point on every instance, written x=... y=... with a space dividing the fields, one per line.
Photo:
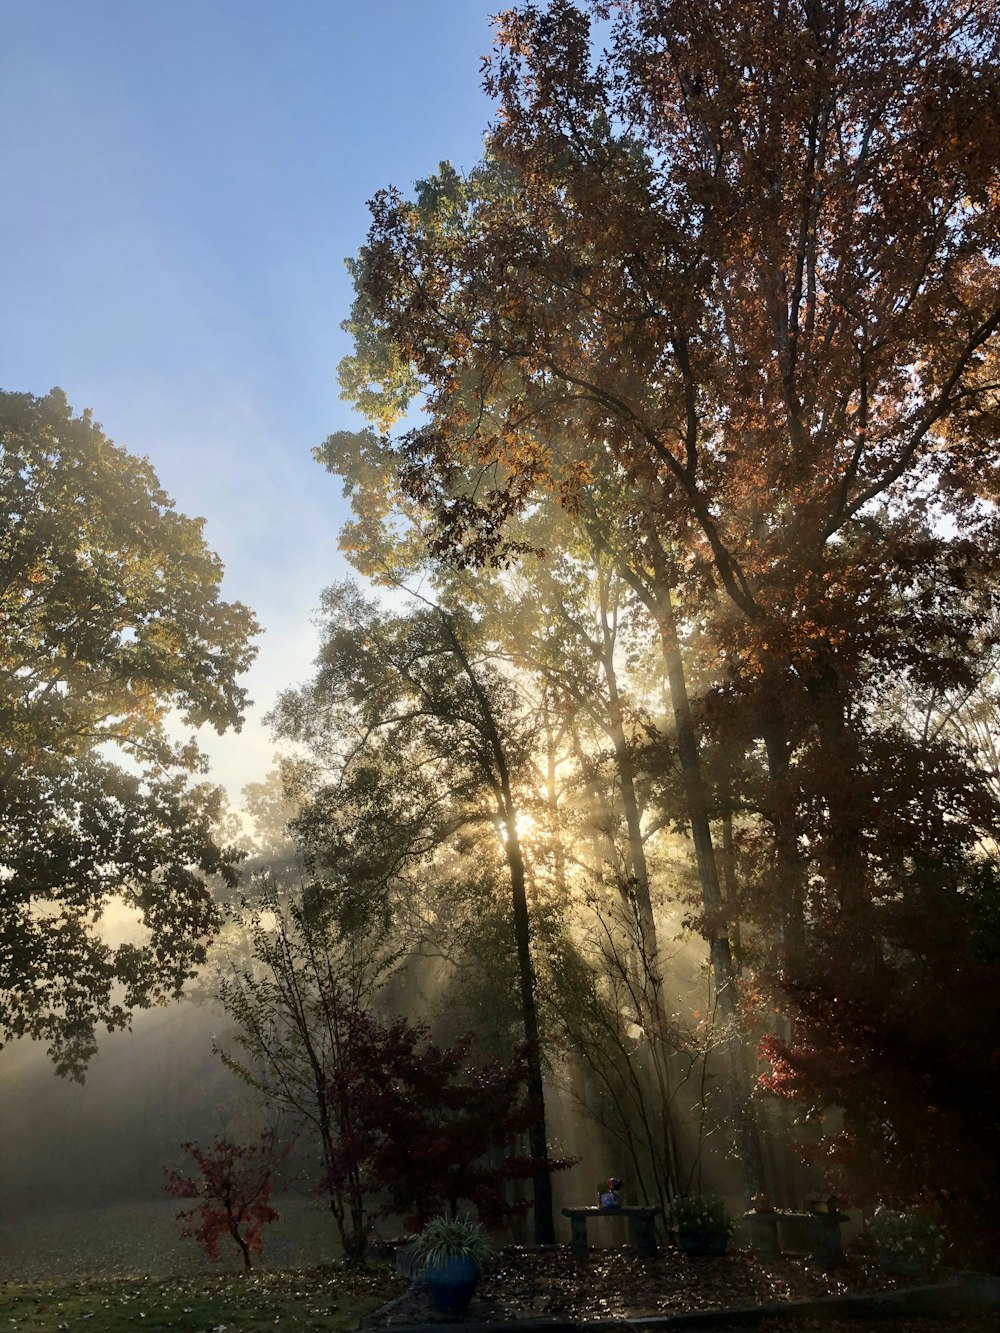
x=56 y=1244
x=318 y=1300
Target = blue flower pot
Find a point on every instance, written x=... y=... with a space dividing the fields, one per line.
x=452 y=1282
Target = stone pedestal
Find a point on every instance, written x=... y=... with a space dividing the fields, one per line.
x=762 y=1229
x=827 y=1245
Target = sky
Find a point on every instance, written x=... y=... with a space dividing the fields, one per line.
x=182 y=181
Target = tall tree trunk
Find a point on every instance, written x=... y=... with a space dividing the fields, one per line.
x=659 y=600
x=729 y=885
x=552 y=805
x=790 y=869
x=541 y=1179
x=653 y=1018
x=655 y=595
x=844 y=864
x=499 y=778
x=636 y=859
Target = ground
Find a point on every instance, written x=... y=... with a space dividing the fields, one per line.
x=616 y=1284
x=142 y=1236
x=77 y=1270
x=323 y=1300
x=612 y=1284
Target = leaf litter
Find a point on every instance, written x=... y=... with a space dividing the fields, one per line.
x=322 y=1300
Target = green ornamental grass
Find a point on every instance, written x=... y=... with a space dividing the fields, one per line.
x=453 y=1237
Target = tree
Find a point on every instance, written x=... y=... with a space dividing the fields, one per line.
x=769 y=300
x=392 y=1111
x=234 y=1184
x=910 y=1053
x=566 y=625
x=111 y=620
x=743 y=264
x=402 y=696
x=318 y=953
x=427 y=1126
x=745 y=259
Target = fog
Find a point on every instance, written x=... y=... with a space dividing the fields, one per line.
x=108 y=1139
x=81 y=1175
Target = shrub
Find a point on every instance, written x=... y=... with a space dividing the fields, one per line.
x=701 y=1212
x=234 y=1184
x=909 y=1235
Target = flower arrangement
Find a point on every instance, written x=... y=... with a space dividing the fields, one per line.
x=452 y=1238
x=702 y=1213
x=908 y=1236
x=609 y=1194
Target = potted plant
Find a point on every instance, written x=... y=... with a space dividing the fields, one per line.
x=701 y=1224
x=908 y=1243
x=454 y=1250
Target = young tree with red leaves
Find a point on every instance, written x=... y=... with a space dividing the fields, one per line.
x=234 y=1183
x=298 y=1005
x=427 y=1126
x=391 y=1110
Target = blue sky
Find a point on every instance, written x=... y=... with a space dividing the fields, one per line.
x=182 y=182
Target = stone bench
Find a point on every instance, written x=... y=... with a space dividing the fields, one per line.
x=640 y=1222
x=781 y=1231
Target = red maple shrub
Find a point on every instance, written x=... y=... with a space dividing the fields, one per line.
x=234 y=1183
x=426 y=1125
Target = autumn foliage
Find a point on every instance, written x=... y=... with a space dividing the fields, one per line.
x=906 y=1050
x=726 y=293
x=233 y=1184
x=110 y=619
x=425 y=1125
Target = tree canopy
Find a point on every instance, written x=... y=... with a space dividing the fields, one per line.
x=111 y=622
x=726 y=291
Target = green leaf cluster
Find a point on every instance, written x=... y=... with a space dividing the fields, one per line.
x=111 y=622
x=705 y=1213
x=452 y=1238
x=907 y=1234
